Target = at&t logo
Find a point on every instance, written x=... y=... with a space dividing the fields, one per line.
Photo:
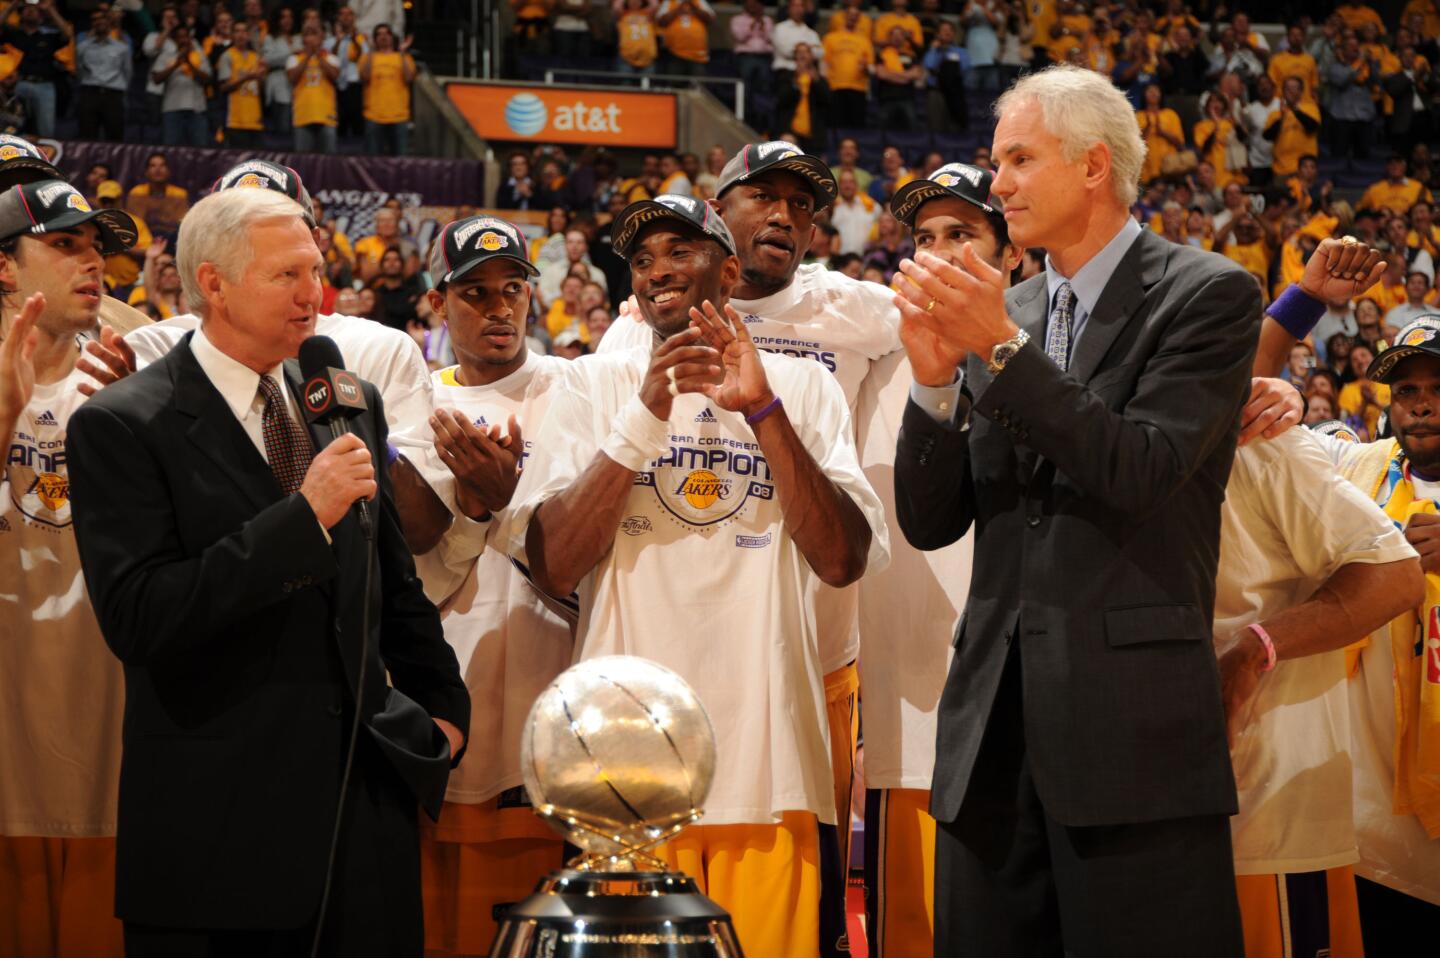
x=525 y=114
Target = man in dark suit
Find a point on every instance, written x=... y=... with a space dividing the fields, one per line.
x=1085 y=424
x=228 y=568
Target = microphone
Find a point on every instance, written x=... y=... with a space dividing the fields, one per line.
x=332 y=395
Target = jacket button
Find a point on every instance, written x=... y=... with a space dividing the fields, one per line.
x=334 y=711
x=287 y=587
x=924 y=460
x=1032 y=521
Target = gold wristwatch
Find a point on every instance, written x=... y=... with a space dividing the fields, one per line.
x=1004 y=352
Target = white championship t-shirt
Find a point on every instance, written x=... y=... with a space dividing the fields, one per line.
x=373 y=351
x=908 y=612
x=1289 y=522
x=63 y=695
x=844 y=325
x=703 y=576
x=511 y=639
x=1395 y=851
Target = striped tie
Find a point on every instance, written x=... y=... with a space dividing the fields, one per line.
x=1057 y=334
x=287 y=444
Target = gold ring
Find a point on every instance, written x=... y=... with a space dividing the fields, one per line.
x=1349 y=241
x=930 y=308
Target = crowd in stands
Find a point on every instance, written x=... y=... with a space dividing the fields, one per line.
x=1239 y=131
x=219 y=74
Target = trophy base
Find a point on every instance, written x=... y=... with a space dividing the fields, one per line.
x=577 y=914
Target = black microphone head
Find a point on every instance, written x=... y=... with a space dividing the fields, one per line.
x=317 y=353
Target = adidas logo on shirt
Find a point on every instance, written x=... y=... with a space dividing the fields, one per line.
x=705 y=415
x=46 y=418
x=480 y=421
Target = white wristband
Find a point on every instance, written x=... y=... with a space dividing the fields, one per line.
x=636 y=436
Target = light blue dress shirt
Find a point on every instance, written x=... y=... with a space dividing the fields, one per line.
x=1087 y=284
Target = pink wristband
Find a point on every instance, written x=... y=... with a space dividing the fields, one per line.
x=1266 y=641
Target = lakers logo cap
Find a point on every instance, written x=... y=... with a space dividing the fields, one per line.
x=1421 y=336
x=686 y=210
x=50 y=206
x=264 y=175
x=961 y=180
x=756 y=158
x=465 y=244
x=19 y=156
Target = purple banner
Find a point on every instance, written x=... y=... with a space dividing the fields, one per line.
x=350 y=187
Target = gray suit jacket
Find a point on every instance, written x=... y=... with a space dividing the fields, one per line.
x=1095 y=496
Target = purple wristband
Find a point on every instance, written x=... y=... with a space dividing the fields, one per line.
x=391 y=454
x=1296 y=311
x=756 y=417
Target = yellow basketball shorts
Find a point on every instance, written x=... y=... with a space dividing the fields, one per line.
x=899 y=873
x=1301 y=915
x=57 y=898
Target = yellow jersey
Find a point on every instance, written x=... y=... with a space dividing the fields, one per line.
x=1293 y=142
x=314 y=96
x=1396 y=197
x=243 y=109
x=636 y=31
x=863 y=23
x=1284 y=65
x=1156 y=146
x=848 y=54
x=888 y=21
x=687 y=36
x=387 y=93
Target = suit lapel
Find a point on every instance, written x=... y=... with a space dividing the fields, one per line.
x=216 y=432
x=1121 y=299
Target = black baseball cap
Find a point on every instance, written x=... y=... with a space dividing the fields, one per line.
x=51 y=205
x=465 y=244
x=19 y=154
x=264 y=175
x=756 y=158
x=969 y=183
x=696 y=214
x=1420 y=337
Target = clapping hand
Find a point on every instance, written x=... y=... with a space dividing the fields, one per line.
x=17 y=362
x=116 y=360
x=962 y=309
x=485 y=463
x=745 y=387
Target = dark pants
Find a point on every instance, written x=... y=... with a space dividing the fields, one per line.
x=1350 y=139
x=242 y=139
x=1390 y=920
x=897 y=111
x=101 y=113
x=375 y=909
x=1012 y=881
x=350 y=103
x=851 y=108
x=755 y=73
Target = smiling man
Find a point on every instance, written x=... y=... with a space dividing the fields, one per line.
x=58 y=763
x=1084 y=423
x=228 y=567
x=488 y=848
x=732 y=475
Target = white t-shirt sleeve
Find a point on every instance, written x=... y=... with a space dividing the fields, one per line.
x=1324 y=519
x=625 y=333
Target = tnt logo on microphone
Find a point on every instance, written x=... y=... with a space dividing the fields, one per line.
x=347 y=390
x=317 y=394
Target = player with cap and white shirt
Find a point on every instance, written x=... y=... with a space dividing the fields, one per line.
x=488 y=847
x=916 y=603
x=1394 y=687
x=768 y=194
x=61 y=713
x=694 y=489
x=373 y=351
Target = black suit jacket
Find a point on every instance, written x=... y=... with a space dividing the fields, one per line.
x=1095 y=496
x=240 y=631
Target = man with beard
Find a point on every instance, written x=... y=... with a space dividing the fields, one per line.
x=722 y=490
x=1394 y=690
x=768 y=195
x=488 y=847
x=60 y=715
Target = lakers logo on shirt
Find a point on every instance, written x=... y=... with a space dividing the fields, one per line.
x=702 y=489
x=53 y=490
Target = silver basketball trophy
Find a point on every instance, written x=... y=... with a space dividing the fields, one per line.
x=618 y=756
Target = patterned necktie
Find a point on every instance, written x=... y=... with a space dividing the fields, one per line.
x=287 y=445
x=1057 y=334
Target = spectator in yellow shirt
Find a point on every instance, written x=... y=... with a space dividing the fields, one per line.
x=161 y=282
x=1068 y=32
x=1176 y=16
x=849 y=61
x=1397 y=192
x=900 y=16
x=122 y=269
x=862 y=22
x=1213 y=136
x=1357 y=15
x=386 y=72
x=685 y=25
x=240 y=73
x=313 y=72
x=1294 y=129
x=1424 y=235
x=565 y=311
x=1293 y=61
x=635 y=36
x=1160 y=128
x=1429 y=13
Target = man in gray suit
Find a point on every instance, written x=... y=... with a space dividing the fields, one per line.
x=1085 y=422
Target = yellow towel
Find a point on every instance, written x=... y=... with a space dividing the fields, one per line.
x=1414 y=645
